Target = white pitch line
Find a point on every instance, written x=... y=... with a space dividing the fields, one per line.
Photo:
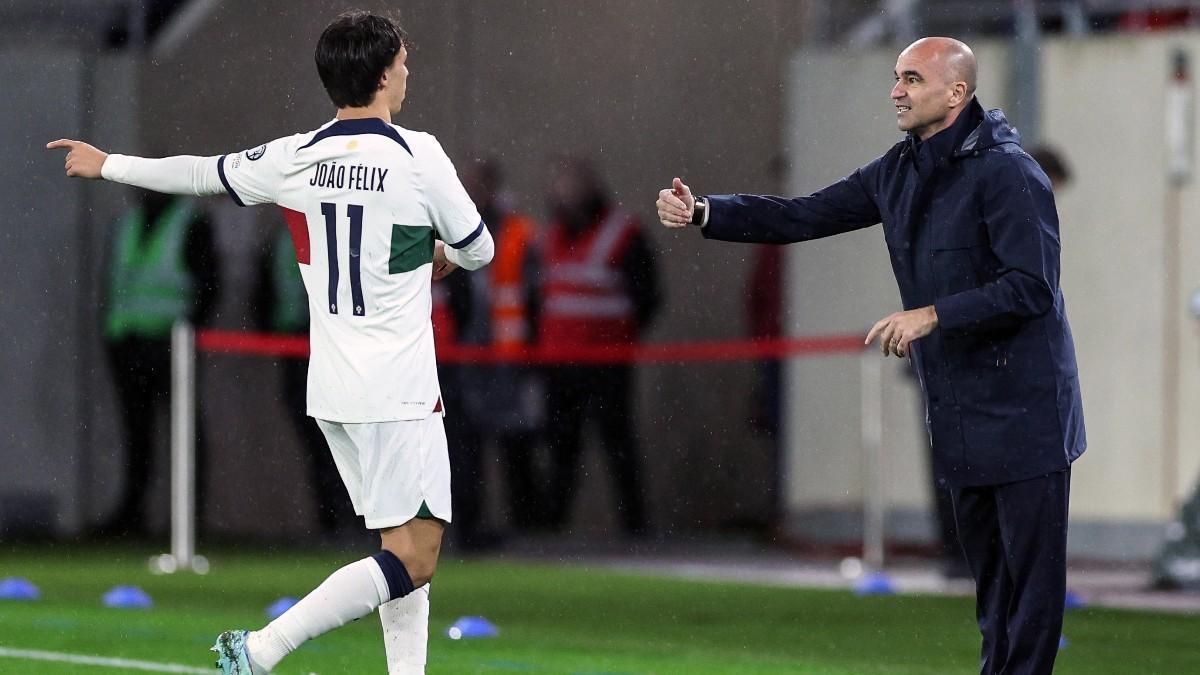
x=103 y=662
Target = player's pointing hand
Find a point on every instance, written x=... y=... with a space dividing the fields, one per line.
x=675 y=205
x=83 y=160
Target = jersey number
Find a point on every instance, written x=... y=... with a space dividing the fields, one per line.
x=355 y=213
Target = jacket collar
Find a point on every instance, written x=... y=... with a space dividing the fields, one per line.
x=946 y=143
x=974 y=130
x=993 y=129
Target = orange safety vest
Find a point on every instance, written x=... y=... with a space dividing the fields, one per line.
x=584 y=297
x=509 y=312
x=510 y=316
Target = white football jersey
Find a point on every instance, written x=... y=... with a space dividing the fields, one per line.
x=364 y=200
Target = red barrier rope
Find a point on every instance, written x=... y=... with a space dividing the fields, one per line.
x=296 y=346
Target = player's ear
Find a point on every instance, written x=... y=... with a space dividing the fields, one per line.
x=382 y=81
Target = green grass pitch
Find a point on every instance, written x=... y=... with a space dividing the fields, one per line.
x=552 y=618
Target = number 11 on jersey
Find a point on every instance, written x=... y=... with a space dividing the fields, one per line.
x=355 y=213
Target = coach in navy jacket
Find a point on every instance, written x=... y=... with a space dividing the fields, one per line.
x=972 y=230
x=971 y=227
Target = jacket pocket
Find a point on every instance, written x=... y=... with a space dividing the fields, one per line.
x=960 y=257
x=981 y=352
x=958 y=269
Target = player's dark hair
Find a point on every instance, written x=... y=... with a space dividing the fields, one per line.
x=352 y=54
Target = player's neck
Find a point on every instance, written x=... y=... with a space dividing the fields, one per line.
x=379 y=110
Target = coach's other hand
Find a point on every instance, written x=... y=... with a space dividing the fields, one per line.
x=897 y=331
x=675 y=205
x=83 y=160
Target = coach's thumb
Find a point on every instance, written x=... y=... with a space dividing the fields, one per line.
x=679 y=188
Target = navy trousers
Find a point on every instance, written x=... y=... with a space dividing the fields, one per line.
x=1015 y=540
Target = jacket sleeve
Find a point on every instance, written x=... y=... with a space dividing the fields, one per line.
x=848 y=204
x=1022 y=226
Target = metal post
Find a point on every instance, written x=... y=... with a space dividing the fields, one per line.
x=1075 y=18
x=874 y=499
x=1180 y=141
x=135 y=23
x=183 y=456
x=903 y=15
x=1024 y=106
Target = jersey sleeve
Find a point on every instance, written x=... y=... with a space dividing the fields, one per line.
x=475 y=253
x=253 y=176
x=451 y=210
x=177 y=175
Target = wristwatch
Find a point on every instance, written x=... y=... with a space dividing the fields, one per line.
x=699 y=210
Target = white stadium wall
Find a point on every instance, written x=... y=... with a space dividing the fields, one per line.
x=1102 y=106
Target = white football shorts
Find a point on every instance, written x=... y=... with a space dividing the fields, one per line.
x=393 y=469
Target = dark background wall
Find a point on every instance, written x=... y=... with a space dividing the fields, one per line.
x=57 y=415
x=647 y=90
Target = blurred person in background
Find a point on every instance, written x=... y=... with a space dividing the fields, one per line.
x=600 y=287
x=1054 y=164
x=765 y=318
x=162 y=269
x=497 y=402
x=281 y=306
x=971 y=226
x=764 y=315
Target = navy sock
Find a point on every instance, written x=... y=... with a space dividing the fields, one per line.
x=399 y=583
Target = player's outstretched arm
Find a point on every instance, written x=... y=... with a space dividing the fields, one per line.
x=83 y=160
x=179 y=175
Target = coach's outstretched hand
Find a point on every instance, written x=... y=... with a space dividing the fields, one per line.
x=441 y=266
x=675 y=205
x=83 y=160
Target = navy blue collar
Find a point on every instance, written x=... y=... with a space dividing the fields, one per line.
x=358 y=127
x=939 y=149
x=941 y=146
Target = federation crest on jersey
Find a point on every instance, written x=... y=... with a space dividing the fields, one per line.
x=256 y=152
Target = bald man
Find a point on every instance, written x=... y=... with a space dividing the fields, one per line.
x=971 y=226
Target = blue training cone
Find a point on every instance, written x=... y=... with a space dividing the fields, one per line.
x=16 y=588
x=1074 y=601
x=127 y=597
x=279 y=607
x=1063 y=642
x=468 y=627
x=876 y=583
